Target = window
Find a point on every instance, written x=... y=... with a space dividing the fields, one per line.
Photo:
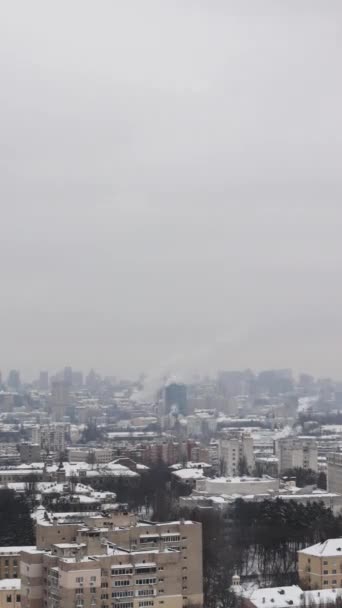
x=325 y=582
x=171 y=538
x=79 y=579
x=325 y=563
x=121 y=583
x=146 y=603
x=334 y=582
x=145 y=592
x=122 y=594
x=93 y=579
x=145 y=581
x=325 y=571
x=121 y=571
x=8 y=599
x=79 y=590
x=17 y=599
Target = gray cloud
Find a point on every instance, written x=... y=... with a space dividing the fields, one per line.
x=170 y=176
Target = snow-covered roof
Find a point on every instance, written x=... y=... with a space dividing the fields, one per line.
x=10 y=584
x=14 y=550
x=276 y=597
x=330 y=547
x=189 y=474
x=283 y=597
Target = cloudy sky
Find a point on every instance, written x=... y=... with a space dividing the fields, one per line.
x=170 y=185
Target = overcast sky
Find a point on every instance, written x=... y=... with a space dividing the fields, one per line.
x=170 y=176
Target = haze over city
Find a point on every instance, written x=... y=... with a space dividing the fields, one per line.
x=171 y=185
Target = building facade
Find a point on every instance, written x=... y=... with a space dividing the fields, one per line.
x=320 y=566
x=99 y=563
x=334 y=471
x=235 y=449
x=297 y=452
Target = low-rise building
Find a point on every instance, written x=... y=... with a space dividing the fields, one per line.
x=320 y=566
x=238 y=485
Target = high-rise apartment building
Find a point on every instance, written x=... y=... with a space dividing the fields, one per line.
x=113 y=561
x=60 y=395
x=297 y=452
x=236 y=453
x=334 y=477
x=50 y=437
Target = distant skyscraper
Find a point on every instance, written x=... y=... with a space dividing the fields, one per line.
x=175 y=396
x=92 y=380
x=44 y=381
x=59 y=399
x=77 y=379
x=14 y=379
x=67 y=375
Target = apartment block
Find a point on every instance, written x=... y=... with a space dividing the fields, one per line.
x=10 y=593
x=297 y=452
x=334 y=463
x=113 y=561
x=51 y=437
x=320 y=566
x=10 y=561
x=235 y=448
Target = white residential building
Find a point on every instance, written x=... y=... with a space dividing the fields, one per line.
x=297 y=452
x=235 y=449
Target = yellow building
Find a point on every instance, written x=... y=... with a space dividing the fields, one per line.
x=320 y=566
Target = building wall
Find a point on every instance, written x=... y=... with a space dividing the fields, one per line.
x=317 y=572
x=10 y=597
x=9 y=563
x=297 y=453
x=221 y=485
x=233 y=449
x=170 y=578
x=334 y=462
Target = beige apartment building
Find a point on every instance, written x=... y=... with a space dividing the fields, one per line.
x=10 y=593
x=113 y=561
x=320 y=566
x=10 y=561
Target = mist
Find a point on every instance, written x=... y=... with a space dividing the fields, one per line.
x=171 y=186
